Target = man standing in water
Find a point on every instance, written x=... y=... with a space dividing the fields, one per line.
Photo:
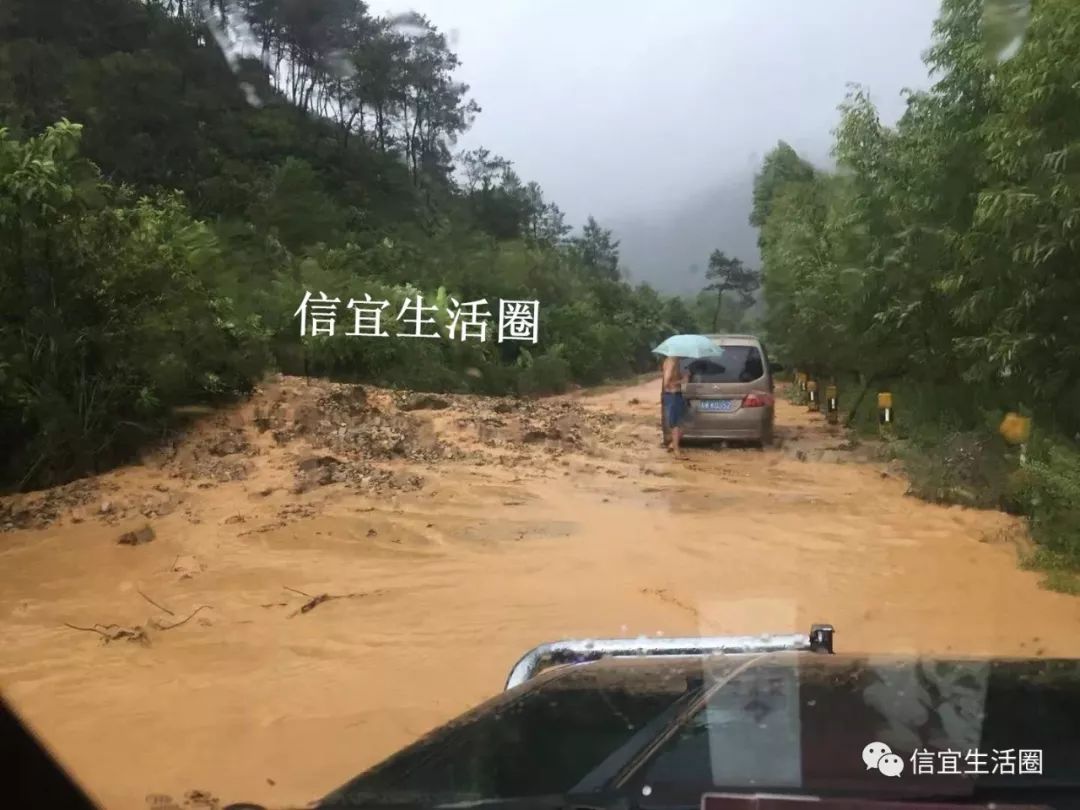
x=672 y=402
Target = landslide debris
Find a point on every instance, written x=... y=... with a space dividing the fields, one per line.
x=318 y=433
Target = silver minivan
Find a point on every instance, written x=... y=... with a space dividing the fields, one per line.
x=730 y=396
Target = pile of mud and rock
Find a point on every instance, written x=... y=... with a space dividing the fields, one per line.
x=320 y=433
x=559 y=425
x=37 y=510
x=357 y=430
x=326 y=432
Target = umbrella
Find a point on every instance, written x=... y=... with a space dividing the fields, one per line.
x=694 y=346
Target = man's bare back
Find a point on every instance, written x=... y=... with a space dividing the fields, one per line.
x=671 y=379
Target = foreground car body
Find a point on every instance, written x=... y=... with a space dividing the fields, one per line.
x=662 y=731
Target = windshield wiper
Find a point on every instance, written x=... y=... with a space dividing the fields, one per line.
x=599 y=777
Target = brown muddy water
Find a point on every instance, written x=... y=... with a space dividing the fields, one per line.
x=514 y=537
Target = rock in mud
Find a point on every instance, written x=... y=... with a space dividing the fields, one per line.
x=202 y=799
x=230 y=471
x=351 y=398
x=537 y=434
x=137 y=537
x=423 y=402
x=316 y=462
x=162 y=503
x=311 y=480
x=228 y=444
x=407 y=482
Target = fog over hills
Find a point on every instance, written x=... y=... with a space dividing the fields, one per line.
x=663 y=247
x=668 y=244
x=654 y=117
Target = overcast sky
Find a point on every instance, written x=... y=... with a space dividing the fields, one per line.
x=621 y=107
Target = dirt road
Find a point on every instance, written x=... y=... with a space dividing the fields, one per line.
x=475 y=532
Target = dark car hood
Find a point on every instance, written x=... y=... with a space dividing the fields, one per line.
x=663 y=732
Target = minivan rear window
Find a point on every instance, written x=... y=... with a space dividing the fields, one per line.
x=737 y=364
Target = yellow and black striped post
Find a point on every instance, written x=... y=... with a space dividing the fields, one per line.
x=813 y=401
x=885 y=409
x=1016 y=430
x=832 y=405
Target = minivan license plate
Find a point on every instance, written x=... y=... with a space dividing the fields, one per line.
x=721 y=405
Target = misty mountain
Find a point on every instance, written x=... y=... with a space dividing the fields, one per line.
x=663 y=248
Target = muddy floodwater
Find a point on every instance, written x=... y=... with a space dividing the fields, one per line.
x=309 y=582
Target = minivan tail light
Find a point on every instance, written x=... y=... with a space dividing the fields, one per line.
x=758 y=399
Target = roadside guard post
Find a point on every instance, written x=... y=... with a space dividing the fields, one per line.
x=800 y=386
x=832 y=406
x=885 y=409
x=812 y=393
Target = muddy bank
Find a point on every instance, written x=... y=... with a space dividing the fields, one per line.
x=353 y=566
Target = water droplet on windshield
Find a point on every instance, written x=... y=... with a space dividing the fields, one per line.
x=250 y=95
x=408 y=24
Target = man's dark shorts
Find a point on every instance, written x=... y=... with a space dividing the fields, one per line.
x=674 y=408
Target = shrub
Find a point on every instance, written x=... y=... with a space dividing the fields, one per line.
x=548 y=374
x=109 y=317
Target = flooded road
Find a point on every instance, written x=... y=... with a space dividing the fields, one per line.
x=444 y=586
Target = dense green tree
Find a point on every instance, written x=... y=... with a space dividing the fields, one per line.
x=598 y=250
x=110 y=313
x=728 y=274
x=941 y=257
x=781 y=166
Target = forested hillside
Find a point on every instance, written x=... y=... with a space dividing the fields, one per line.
x=941 y=261
x=176 y=176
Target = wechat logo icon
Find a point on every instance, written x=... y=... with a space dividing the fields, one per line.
x=878 y=756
